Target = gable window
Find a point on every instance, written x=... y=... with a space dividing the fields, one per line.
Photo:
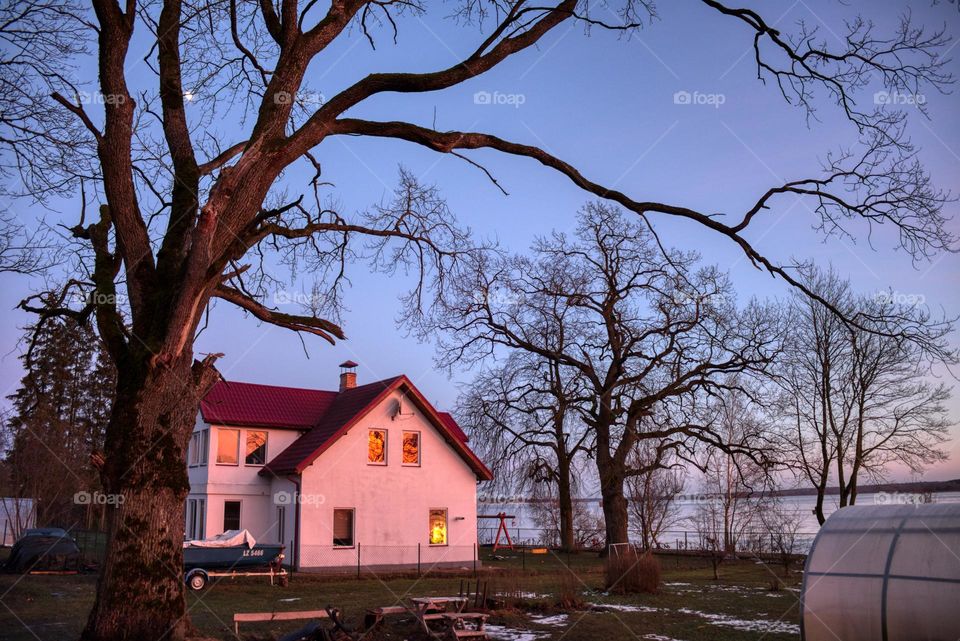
x=438 y=526
x=377 y=447
x=343 y=527
x=199 y=443
x=231 y=515
x=256 y=448
x=411 y=448
x=228 y=446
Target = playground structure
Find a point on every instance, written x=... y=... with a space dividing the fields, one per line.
x=502 y=528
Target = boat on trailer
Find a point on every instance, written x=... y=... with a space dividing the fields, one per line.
x=232 y=554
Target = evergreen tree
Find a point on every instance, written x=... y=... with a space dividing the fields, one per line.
x=57 y=423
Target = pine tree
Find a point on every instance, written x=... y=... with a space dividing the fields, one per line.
x=57 y=422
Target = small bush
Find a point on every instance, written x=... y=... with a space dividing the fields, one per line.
x=569 y=595
x=631 y=571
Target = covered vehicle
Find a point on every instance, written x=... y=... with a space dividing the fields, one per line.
x=233 y=553
x=44 y=549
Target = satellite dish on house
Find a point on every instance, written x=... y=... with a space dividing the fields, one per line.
x=397 y=414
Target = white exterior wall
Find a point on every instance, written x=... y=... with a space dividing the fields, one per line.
x=392 y=501
x=219 y=483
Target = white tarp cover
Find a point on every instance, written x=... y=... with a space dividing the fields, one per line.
x=229 y=539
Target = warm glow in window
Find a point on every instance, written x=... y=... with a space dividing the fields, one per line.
x=377 y=447
x=228 y=444
x=411 y=448
x=256 y=448
x=438 y=527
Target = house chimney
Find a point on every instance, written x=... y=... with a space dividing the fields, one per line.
x=348 y=375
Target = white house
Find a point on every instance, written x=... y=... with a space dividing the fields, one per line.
x=370 y=473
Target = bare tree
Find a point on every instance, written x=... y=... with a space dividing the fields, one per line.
x=783 y=526
x=652 y=499
x=180 y=215
x=522 y=417
x=858 y=398
x=643 y=329
x=733 y=480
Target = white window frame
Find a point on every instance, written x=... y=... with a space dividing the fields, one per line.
x=419 y=447
x=220 y=430
x=282 y=523
x=196 y=519
x=266 y=446
x=386 y=446
x=353 y=528
x=199 y=444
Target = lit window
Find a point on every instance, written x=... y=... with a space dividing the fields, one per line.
x=256 y=448
x=438 y=527
x=411 y=448
x=228 y=446
x=377 y=447
x=231 y=515
x=343 y=528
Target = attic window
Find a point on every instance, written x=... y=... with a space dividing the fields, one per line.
x=228 y=444
x=256 y=448
x=411 y=448
x=377 y=447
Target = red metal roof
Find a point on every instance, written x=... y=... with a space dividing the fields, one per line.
x=327 y=415
x=232 y=403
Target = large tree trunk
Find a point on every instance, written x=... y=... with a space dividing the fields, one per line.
x=614 y=504
x=140 y=591
x=565 y=496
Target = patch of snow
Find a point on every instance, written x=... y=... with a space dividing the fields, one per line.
x=677 y=583
x=503 y=633
x=523 y=595
x=760 y=625
x=621 y=607
x=296 y=598
x=559 y=620
x=658 y=637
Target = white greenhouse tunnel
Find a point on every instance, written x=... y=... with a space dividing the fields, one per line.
x=884 y=573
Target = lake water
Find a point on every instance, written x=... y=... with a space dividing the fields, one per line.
x=523 y=526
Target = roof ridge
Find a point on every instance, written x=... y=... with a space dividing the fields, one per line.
x=287 y=387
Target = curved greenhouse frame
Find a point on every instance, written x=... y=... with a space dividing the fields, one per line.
x=884 y=573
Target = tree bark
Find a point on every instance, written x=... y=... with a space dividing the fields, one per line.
x=139 y=592
x=565 y=497
x=614 y=505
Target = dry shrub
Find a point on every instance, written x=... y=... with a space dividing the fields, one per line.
x=569 y=595
x=631 y=571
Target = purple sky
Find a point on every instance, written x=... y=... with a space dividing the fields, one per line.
x=607 y=106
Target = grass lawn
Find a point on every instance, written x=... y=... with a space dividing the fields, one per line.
x=689 y=607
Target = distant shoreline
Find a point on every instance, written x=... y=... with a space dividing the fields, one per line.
x=913 y=487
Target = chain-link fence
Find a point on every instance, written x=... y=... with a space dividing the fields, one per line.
x=366 y=559
x=756 y=542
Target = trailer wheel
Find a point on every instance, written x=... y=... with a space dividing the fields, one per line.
x=284 y=581
x=197 y=580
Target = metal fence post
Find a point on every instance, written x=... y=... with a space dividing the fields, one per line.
x=358 y=559
x=475 y=553
x=418 y=560
x=523 y=557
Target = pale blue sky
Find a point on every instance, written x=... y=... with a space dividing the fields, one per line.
x=606 y=105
